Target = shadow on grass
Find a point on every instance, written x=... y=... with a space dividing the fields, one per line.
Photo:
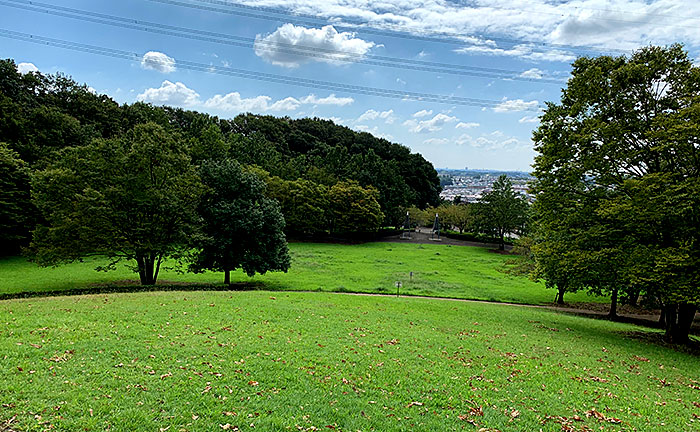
x=133 y=287
x=654 y=338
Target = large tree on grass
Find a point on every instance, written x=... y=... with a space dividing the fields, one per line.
x=242 y=228
x=131 y=198
x=625 y=141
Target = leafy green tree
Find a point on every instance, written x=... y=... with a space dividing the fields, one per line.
x=304 y=204
x=623 y=141
x=15 y=205
x=354 y=208
x=503 y=210
x=459 y=215
x=132 y=198
x=241 y=227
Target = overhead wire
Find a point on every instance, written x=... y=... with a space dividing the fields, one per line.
x=293 y=49
x=361 y=27
x=256 y=75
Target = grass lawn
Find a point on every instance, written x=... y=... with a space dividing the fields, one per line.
x=206 y=361
x=438 y=270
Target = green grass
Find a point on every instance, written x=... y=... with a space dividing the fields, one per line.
x=438 y=271
x=199 y=361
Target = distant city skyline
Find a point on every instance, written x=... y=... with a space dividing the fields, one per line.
x=461 y=84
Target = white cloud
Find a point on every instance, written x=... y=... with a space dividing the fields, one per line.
x=422 y=113
x=24 y=68
x=158 y=61
x=374 y=131
x=524 y=51
x=332 y=99
x=533 y=73
x=170 y=93
x=178 y=94
x=432 y=125
x=436 y=141
x=496 y=140
x=370 y=114
x=616 y=24
x=529 y=119
x=462 y=125
x=512 y=105
x=288 y=45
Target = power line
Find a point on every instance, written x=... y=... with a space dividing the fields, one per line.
x=298 y=50
x=255 y=75
x=361 y=27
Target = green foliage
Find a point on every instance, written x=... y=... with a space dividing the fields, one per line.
x=241 y=227
x=129 y=198
x=617 y=180
x=304 y=204
x=502 y=210
x=460 y=216
x=15 y=207
x=354 y=208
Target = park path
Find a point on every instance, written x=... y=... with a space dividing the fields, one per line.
x=422 y=236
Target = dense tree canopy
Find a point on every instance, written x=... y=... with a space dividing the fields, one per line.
x=242 y=228
x=42 y=115
x=617 y=179
x=132 y=197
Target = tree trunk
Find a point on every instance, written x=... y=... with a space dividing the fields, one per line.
x=679 y=319
x=502 y=246
x=227 y=277
x=613 y=305
x=146 y=269
x=634 y=298
x=560 y=296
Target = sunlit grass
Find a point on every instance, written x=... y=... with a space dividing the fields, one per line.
x=438 y=270
x=205 y=361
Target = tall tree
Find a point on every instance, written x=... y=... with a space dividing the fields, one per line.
x=15 y=206
x=132 y=198
x=503 y=210
x=242 y=228
x=625 y=140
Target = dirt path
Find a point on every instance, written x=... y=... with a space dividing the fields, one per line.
x=422 y=236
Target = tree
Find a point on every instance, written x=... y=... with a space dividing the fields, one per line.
x=15 y=205
x=459 y=216
x=354 y=208
x=241 y=227
x=132 y=198
x=304 y=204
x=503 y=210
x=624 y=142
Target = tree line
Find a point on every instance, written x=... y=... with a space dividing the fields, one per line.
x=81 y=174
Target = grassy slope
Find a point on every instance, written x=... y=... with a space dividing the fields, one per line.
x=295 y=361
x=439 y=270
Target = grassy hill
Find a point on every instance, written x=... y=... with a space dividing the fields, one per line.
x=438 y=270
x=204 y=361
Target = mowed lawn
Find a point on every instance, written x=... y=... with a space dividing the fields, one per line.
x=438 y=270
x=206 y=361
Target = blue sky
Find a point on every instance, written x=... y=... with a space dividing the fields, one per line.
x=531 y=40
